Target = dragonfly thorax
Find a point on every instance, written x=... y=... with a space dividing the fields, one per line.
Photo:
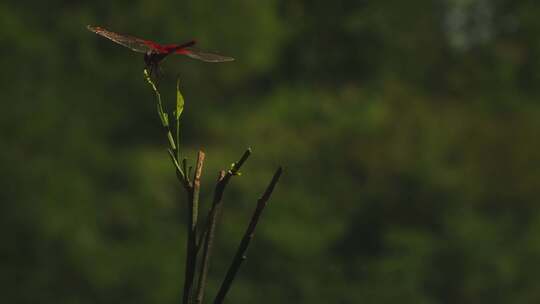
x=153 y=58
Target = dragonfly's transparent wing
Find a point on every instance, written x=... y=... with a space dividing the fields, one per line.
x=204 y=55
x=134 y=43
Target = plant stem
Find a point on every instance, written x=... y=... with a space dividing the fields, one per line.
x=178 y=139
x=223 y=181
x=246 y=239
x=193 y=208
x=222 y=184
x=194 y=242
x=208 y=241
x=196 y=190
x=174 y=150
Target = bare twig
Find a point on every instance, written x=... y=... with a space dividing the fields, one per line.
x=191 y=252
x=221 y=184
x=223 y=181
x=235 y=170
x=196 y=190
x=246 y=239
x=208 y=242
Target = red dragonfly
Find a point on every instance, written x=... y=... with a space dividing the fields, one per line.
x=154 y=52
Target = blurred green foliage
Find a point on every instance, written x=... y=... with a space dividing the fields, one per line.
x=408 y=129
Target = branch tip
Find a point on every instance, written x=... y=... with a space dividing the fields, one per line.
x=240 y=255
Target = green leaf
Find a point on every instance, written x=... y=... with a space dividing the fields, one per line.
x=162 y=115
x=165 y=119
x=171 y=140
x=179 y=101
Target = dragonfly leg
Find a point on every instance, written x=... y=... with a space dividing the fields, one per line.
x=153 y=71
x=159 y=72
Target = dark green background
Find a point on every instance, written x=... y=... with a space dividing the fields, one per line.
x=409 y=131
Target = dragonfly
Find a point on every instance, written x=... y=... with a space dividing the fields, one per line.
x=155 y=52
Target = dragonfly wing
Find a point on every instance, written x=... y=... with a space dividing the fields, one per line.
x=134 y=43
x=177 y=48
x=203 y=55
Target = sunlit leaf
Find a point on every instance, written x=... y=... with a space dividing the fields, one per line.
x=179 y=101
